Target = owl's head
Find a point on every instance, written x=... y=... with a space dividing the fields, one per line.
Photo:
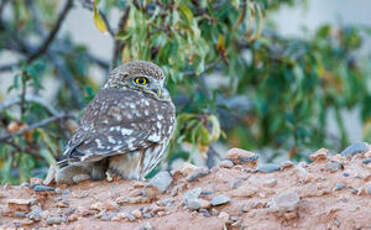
x=139 y=75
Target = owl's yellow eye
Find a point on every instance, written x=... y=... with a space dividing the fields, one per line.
x=141 y=80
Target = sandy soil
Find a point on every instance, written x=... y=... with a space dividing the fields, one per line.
x=330 y=193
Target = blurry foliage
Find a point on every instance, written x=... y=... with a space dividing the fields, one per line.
x=264 y=90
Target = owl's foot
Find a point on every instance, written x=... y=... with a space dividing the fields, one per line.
x=72 y=174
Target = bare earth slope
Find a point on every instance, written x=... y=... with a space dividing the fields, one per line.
x=330 y=193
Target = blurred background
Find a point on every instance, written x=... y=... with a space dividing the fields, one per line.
x=281 y=78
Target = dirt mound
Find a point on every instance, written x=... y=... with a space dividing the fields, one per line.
x=330 y=193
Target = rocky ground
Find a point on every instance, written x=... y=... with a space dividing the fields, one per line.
x=332 y=192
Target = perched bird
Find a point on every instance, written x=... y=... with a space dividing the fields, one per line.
x=124 y=129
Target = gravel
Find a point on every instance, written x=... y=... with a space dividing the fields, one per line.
x=55 y=220
x=197 y=173
x=219 y=200
x=226 y=164
x=161 y=181
x=334 y=166
x=35 y=213
x=339 y=186
x=268 y=168
x=353 y=149
x=285 y=202
x=366 y=161
x=190 y=199
x=42 y=188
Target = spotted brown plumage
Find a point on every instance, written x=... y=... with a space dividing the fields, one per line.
x=125 y=128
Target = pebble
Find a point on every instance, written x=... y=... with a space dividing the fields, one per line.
x=334 y=166
x=190 y=198
x=161 y=181
x=287 y=164
x=219 y=200
x=25 y=184
x=369 y=189
x=204 y=203
x=197 y=173
x=137 y=213
x=357 y=147
x=147 y=226
x=285 y=202
x=226 y=164
x=55 y=220
x=35 y=213
x=205 y=212
x=242 y=157
x=366 y=161
x=97 y=206
x=339 y=186
x=187 y=169
x=20 y=214
x=42 y=188
x=268 y=168
x=346 y=174
x=270 y=182
x=224 y=216
x=147 y=215
x=337 y=223
x=320 y=155
x=354 y=191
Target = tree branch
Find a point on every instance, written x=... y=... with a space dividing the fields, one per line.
x=29 y=98
x=118 y=44
x=49 y=39
x=34 y=126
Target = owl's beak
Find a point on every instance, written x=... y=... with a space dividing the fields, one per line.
x=159 y=91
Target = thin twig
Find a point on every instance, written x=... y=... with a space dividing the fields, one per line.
x=29 y=98
x=49 y=39
x=36 y=125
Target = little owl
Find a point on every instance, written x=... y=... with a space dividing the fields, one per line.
x=124 y=129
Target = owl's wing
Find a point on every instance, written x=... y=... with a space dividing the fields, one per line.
x=116 y=122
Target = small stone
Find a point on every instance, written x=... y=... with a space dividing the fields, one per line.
x=35 y=181
x=73 y=218
x=42 y=188
x=147 y=215
x=110 y=205
x=204 y=212
x=20 y=204
x=226 y=164
x=55 y=220
x=334 y=166
x=366 y=161
x=147 y=226
x=25 y=184
x=117 y=218
x=219 y=200
x=270 y=182
x=224 y=216
x=187 y=169
x=161 y=181
x=129 y=217
x=204 y=203
x=285 y=202
x=197 y=173
x=268 y=168
x=242 y=157
x=354 y=191
x=369 y=189
x=194 y=204
x=337 y=223
x=62 y=204
x=20 y=214
x=190 y=198
x=320 y=155
x=97 y=206
x=357 y=147
x=287 y=164
x=58 y=191
x=346 y=174
x=137 y=213
x=35 y=214
x=339 y=186
x=66 y=191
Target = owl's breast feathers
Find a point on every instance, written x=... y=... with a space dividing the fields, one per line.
x=120 y=121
